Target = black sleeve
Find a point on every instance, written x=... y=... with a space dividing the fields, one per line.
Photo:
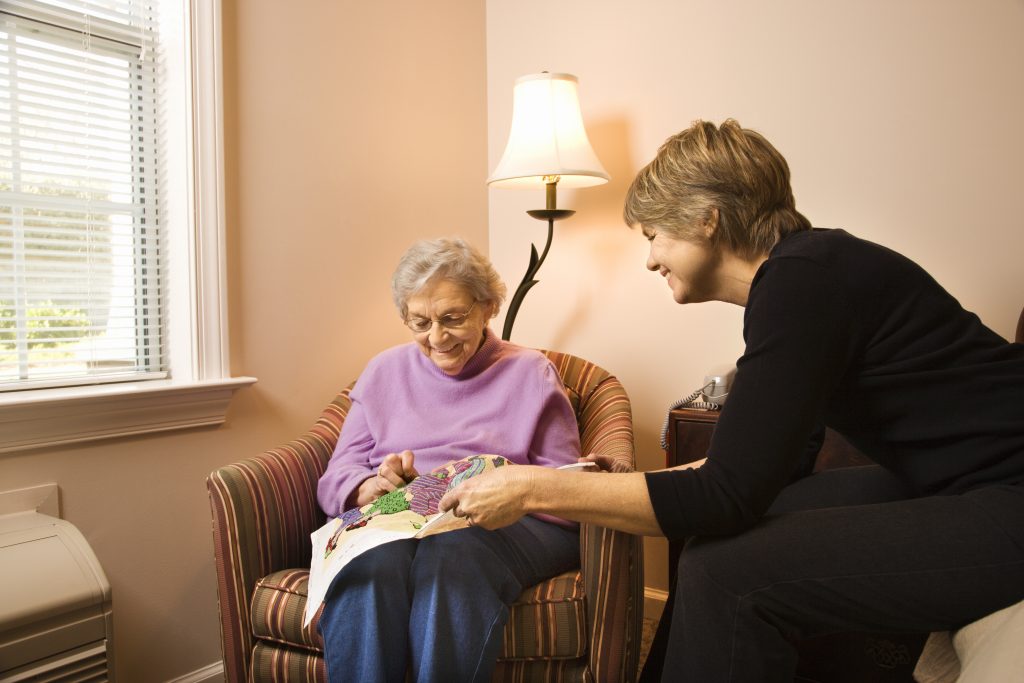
x=800 y=329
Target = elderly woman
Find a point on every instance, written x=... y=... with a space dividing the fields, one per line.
x=438 y=606
x=839 y=332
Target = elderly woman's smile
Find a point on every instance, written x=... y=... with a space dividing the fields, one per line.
x=448 y=324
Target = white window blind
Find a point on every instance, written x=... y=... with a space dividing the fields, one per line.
x=80 y=268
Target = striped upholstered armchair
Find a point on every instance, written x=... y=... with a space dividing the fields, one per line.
x=579 y=626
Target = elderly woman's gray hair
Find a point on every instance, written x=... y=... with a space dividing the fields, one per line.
x=445 y=258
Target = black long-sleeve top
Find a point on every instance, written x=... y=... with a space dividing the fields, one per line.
x=846 y=333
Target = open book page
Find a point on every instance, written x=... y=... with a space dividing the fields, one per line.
x=439 y=523
x=579 y=466
x=409 y=512
x=334 y=547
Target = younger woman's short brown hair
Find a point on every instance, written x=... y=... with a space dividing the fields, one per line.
x=728 y=168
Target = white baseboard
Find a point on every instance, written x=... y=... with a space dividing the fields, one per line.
x=654 y=602
x=213 y=673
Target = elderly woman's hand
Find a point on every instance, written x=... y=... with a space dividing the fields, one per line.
x=490 y=500
x=604 y=463
x=395 y=471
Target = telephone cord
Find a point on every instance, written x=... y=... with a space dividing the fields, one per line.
x=688 y=402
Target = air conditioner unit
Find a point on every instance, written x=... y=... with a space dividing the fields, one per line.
x=55 y=609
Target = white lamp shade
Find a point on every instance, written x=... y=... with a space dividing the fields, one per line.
x=547 y=137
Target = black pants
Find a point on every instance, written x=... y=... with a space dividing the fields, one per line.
x=841 y=550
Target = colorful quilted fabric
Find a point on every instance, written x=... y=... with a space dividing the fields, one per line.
x=421 y=495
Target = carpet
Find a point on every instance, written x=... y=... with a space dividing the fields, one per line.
x=646 y=636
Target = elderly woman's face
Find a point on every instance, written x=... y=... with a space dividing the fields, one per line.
x=450 y=348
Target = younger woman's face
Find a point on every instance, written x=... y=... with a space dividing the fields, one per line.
x=689 y=268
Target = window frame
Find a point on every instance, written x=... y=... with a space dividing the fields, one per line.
x=200 y=388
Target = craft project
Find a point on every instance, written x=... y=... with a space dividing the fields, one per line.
x=409 y=512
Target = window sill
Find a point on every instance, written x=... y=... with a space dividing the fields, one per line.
x=56 y=417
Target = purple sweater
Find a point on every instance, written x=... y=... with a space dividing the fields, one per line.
x=508 y=400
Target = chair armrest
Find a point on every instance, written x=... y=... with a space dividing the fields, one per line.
x=264 y=509
x=613 y=576
x=611 y=561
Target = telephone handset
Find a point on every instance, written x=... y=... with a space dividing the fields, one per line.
x=710 y=396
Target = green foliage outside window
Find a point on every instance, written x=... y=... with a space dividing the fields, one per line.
x=49 y=327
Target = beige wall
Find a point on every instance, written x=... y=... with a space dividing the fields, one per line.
x=352 y=129
x=900 y=120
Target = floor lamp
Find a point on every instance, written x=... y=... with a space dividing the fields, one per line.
x=547 y=146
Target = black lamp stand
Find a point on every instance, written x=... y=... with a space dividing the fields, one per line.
x=549 y=214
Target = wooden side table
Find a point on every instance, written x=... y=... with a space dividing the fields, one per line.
x=689 y=436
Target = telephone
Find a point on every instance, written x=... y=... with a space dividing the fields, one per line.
x=710 y=396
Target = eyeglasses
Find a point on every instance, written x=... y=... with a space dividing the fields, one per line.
x=452 y=321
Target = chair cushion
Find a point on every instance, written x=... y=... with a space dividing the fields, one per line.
x=274 y=663
x=548 y=620
x=277 y=606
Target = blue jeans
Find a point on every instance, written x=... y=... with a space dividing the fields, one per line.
x=436 y=606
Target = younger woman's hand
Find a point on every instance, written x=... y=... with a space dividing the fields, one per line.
x=490 y=500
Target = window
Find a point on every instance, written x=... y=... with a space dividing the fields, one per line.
x=80 y=271
x=111 y=222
